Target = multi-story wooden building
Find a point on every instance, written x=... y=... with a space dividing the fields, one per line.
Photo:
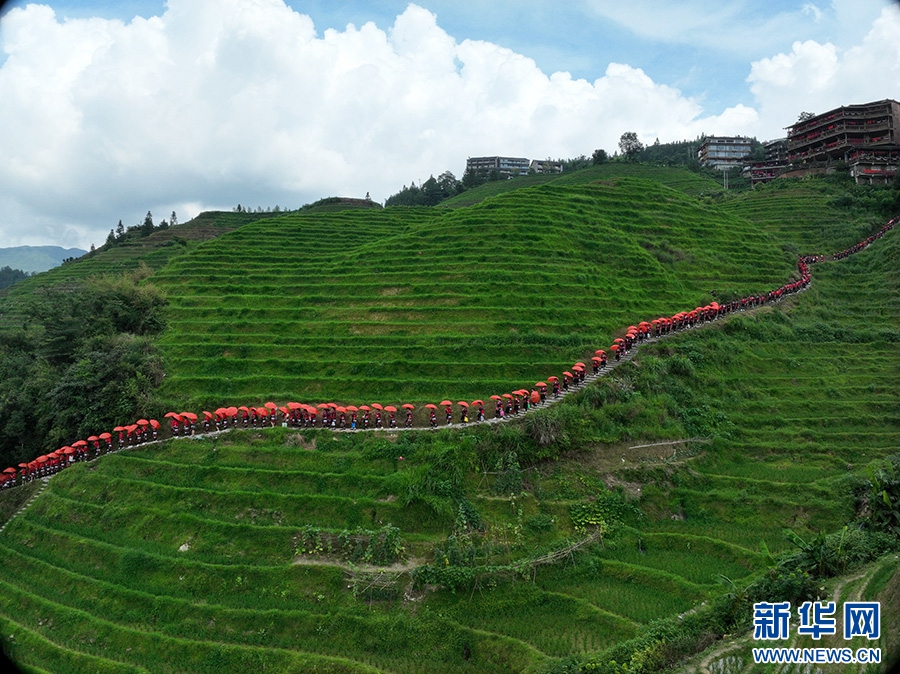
x=866 y=137
x=774 y=164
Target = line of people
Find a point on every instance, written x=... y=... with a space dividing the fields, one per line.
x=377 y=416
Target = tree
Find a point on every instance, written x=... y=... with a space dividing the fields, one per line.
x=449 y=185
x=629 y=145
x=599 y=156
x=471 y=179
x=147 y=227
x=120 y=231
x=804 y=116
x=8 y=276
x=173 y=220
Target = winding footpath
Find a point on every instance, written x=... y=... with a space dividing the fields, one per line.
x=351 y=418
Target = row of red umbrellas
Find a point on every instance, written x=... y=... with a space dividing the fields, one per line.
x=643 y=329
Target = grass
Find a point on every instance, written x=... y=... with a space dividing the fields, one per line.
x=342 y=306
x=183 y=555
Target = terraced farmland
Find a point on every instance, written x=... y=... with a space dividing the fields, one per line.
x=415 y=305
x=277 y=550
x=184 y=555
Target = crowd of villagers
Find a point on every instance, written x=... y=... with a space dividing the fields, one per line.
x=375 y=415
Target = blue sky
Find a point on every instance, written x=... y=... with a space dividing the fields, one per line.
x=269 y=102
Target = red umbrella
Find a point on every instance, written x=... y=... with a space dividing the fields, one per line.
x=599 y=352
x=10 y=471
x=539 y=384
x=568 y=374
x=377 y=406
x=596 y=359
x=295 y=406
x=323 y=406
x=244 y=408
x=365 y=408
x=208 y=415
x=429 y=406
x=535 y=397
x=496 y=398
x=614 y=347
x=408 y=406
x=478 y=402
x=578 y=368
x=271 y=406
x=508 y=395
x=390 y=408
x=92 y=438
x=188 y=415
x=579 y=364
x=352 y=408
x=619 y=340
x=80 y=443
x=154 y=423
x=232 y=411
x=172 y=415
x=553 y=378
x=144 y=422
x=446 y=402
x=119 y=428
x=463 y=403
x=105 y=436
x=262 y=411
x=342 y=410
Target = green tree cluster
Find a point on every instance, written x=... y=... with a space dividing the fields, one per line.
x=120 y=234
x=8 y=276
x=83 y=361
x=430 y=193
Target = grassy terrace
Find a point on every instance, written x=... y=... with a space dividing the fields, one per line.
x=420 y=304
x=190 y=555
x=183 y=554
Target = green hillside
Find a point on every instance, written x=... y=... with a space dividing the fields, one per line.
x=617 y=525
x=416 y=305
x=679 y=179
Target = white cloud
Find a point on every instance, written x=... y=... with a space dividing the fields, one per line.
x=817 y=77
x=219 y=102
x=740 y=28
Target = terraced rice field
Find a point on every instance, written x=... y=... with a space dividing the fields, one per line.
x=189 y=555
x=183 y=553
x=415 y=305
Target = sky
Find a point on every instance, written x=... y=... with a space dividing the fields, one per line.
x=111 y=109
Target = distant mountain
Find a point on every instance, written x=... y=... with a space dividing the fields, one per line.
x=36 y=258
